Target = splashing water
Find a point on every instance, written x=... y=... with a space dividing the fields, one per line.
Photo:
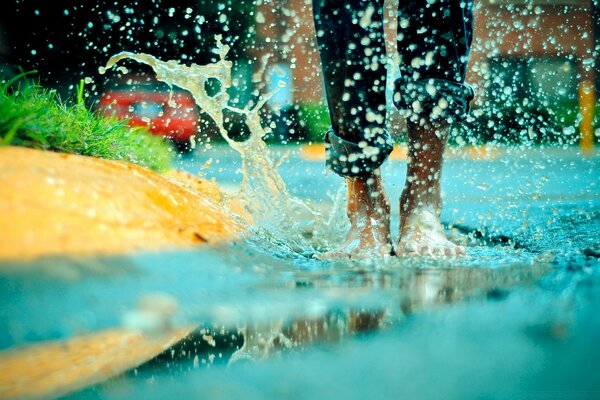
x=263 y=193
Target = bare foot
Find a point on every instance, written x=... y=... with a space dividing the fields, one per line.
x=421 y=232
x=369 y=214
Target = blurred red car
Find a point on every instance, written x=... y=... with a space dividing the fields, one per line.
x=169 y=112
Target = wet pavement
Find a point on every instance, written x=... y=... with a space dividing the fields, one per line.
x=517 y=318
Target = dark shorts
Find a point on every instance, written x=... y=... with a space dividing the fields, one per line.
x=434 y=39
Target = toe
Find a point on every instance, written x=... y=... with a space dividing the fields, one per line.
x=454 y=251
x=401 y=250
x=450 y=251
x=440 y=252
x=425 y=250
x=332 y=255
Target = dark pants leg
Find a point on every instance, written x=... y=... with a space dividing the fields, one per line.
x=352 y=49
x=434 y=40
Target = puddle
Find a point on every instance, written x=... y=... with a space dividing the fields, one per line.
x=522 y=295
x=286 y=317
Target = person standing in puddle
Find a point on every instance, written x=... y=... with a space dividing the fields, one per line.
x=434 y=39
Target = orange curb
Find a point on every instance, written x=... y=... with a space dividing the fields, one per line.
x=53 y=369
x=316 y=152
x=53 y=204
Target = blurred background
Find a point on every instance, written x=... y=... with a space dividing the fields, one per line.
x=525 y=300
x=534 y=63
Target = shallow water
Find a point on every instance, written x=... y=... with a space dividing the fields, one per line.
x=515 y=318
x=521 y=304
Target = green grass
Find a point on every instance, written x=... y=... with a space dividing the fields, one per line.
x=32 y=116
x=316 y=119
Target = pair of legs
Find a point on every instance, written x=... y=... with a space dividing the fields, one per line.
x=434 y=39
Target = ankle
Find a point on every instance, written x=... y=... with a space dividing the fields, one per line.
x=367 y=195
x=368 y=187
x=417 y=196
x=368 y=183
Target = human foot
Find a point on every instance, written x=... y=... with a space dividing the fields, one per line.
x=369 y=214
x=422 y=234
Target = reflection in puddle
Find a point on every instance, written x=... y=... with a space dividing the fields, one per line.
x=237 y=303
x=407 y=291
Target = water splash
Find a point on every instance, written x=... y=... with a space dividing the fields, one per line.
x=263 y=192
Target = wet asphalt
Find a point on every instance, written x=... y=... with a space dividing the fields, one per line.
x=517 y=319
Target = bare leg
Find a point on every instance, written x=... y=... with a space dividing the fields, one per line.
x=421 y=232
x=369 y=214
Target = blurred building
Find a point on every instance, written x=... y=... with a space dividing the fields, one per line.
x=523 y=49
x=542 y=49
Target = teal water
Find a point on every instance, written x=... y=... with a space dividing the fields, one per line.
x=516 y=318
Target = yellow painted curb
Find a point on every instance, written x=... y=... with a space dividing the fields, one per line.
x=52 y=204
x=483 y=152
x=53 y=369
x=316 y=152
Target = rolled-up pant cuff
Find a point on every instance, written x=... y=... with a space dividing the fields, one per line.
x=433 y=99
x=356 y=159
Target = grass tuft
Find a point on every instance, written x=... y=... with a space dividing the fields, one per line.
x=32 y=116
